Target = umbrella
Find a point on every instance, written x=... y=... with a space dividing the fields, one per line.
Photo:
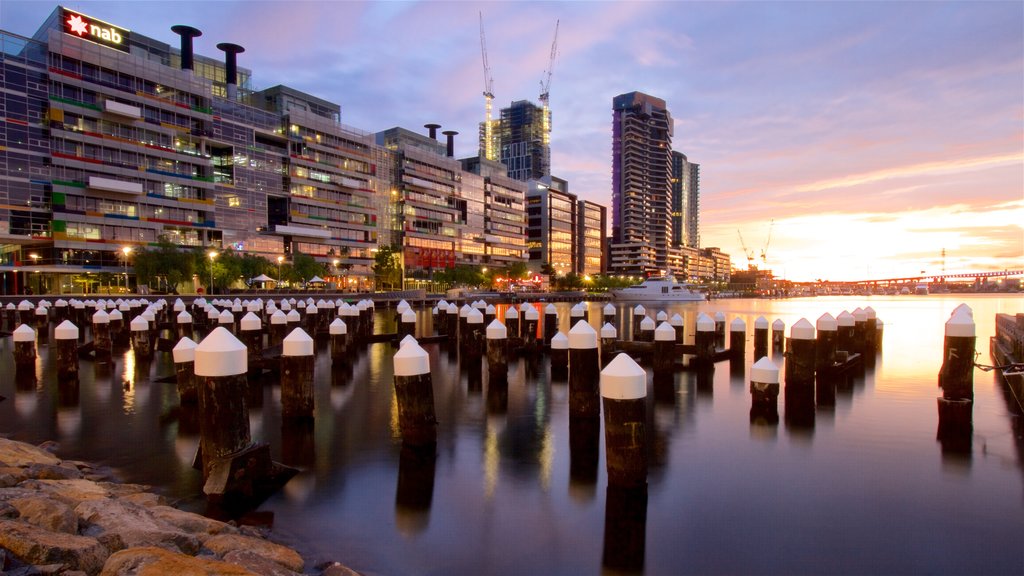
x=316 y=280
x=263 y=278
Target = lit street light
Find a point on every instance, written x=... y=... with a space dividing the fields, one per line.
x=280 y=259
x=126 y=250
x=39 y=281
x=212 y=254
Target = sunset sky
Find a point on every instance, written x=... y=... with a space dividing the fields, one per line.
x=874 y=134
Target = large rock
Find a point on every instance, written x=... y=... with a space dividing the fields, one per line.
x=47 y=513
x=18 y=453
x=11 y=476
x=34 y=545
x=225 y=543
x=120 y=524
x=150 y=561
x=258 y=564
x=74 y=492
x=197 y=524
x=52 y=472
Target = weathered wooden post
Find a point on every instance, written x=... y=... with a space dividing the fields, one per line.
x=474 y=346
x=339 y=341
x=407 y=324
x=528 y=327
x=463 y=329
x=870 y=332
x=512 y=322
x=297 y=352
x=24 y=349
x=608 y=314
x=800 y=358
x=497 y=352
x=660 y=317
x=451 y=317
x=11 y=315
x=42 y=318
x=226 y=320
x=250 y=332
x=664 y=346
x=101 y=336
x=878 y=334
x=350 y=314
x=719 y=329
x=119 y=331
x=278 y=327
x=764 y=392
x=737 y=339
x=704 y=339
x=312 y=320
x=490 y=313
x=647 y=327
x=141 y=343
x=550 y=323
x=639 y=313
x=66 y=335
x=183 y=325
x=679 y=326
x=60 y=310
x=414 y=393
x=760 y=337
x=184 y=354
x=846 y=326
x=366 y=314
x=293 y=320
x=828 y=337
x=860 y=321
x=609 y=335
x=326 y=312
x=577 y=313
x=623 y=386
x=956 y=377
x=584 y=369
x=559 y=356
x=26 y=312
x=778 y=336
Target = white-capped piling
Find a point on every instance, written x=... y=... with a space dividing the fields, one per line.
x=221 y=364
x=827 y=340
x=720 y=329
x=184 y=354
x=956 y=377
x=704 y=341
x=464 y=311
x=764 y=392
x=141 y=343
x=639 y=313
x=778 y=336
x=623 y=388
x=24 y=348
x=312 y=320
x=800 y=358
x=101 y=343
x=278 y=327
x=584 y=368
x=497 y=352
x=183 y=325
x=608 y=314
x=679 y=326
x=79 y=317
x=293 y=319
x=297 y=352
x=350 y=314
x=414 y=393
x=250 y=332
x=66 y=335
x=451 y=323
x=212 y=316
x=664 y=349
x=529 y=320
x=512 y=322
x=60 y=310
x=226 y=320
x=559 y=354
x=879 y=332
x=737 y=338
x=474 y=343
x=577 y=312
x=407 y=324
x=366 y=318
x=860 y=321
x=11 y=315
x=760 y=337
x=119 y=331
x=846 y=326
x=490 y=313
x=660 y=317
x=26 y=312
x=550 y=323
x=339 y=340
x=870 y=331
x=647 y=326
x=42 y=318
x=609 y=337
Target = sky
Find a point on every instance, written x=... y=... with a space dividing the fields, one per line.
x=844 y=140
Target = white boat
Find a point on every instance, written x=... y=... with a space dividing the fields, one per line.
x=921 y=290
x=663 y=289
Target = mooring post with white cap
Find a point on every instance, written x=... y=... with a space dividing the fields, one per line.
x=250 y=332
x=312 y=320
x=451 y=317
x=490 y=313
x=664 y=349
x=42 y=319
x=846 y=326
x=623 y=387
x=608 y=315
x=860 y=322
x=406 y=324
x=497 y=352
x=464 y=311
x=512 y=322
x=870 y=332
x=141 y=343
x=800 y=358
x=550 y=323
x=339 y=340
x=26 y=312
x=11 y=315
x=66 y=335
x=278 y=328
x=474 y=342
x=101 y=336
x=639 y=314
x=678 y=325
x=584 y=368
x=760 y=337
x=297 y=353
x=221 y=364
x=559 y=353
x=183 y=325
x=647 y=326
x=764 y=392
x=184 y=354
x=609 y=337
x=367 y=316
x=704 y=341
x=825 y=347
x=120 y=336
x=226 y=320
x=778 y=337
x=956 y=377
x=737 y=339
x=720 y=329
x=24 y=348
x=414 y=393
x=528 y=323
x=577 y=313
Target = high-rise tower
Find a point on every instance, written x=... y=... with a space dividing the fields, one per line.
x=522 y=142
x=641 y=186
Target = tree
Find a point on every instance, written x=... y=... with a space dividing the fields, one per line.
x=305 y=267
x=387 y=267
x=518 y=270
x=165 y=261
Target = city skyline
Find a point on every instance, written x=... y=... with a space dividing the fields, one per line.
x=874 y=135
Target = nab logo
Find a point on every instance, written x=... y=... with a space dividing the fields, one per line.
x=95 y=30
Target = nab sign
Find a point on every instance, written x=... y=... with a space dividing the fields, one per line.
x=98 y=31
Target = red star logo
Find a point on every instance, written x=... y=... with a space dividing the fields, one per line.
x=77 y=25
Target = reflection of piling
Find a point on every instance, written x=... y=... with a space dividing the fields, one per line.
x=609 y=335
x=825 y=348
x=704 y=340
x=584 y=368
x=497 y=352
x=584 y=445
x=416 y=471
x=800 y=358
x=184 y=353
x=101 y=336
x=623 y=385
x=778 y=337
x=297 y=351
x=664 y=346
x=625 y=530
x=550 y=324
x=559 y=356
x=760 y=337
x=415 y=396
x=339 y=340
x=639 y=313
x=141 y=343
x=737 y=339
x=66 y=335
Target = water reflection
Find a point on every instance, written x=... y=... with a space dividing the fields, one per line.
x=625 y=530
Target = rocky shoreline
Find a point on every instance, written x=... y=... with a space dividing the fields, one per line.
x=68 y=517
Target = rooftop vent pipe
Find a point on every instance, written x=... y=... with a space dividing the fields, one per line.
x=450 y=152
x=231 y=67
x=187 y=33
x=433 y=130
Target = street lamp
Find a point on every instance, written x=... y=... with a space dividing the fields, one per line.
x=35 y=262
x=280 y=259
x=126 y=250
x=212 y=254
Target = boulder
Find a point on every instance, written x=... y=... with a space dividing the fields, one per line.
x=258 y=564
x=147 y=499
x=34 y=545
x=196 y=524
x=53 y=515
x=120 y=524
x=25 y=454
x=11 y=476
x=222 y=544
x=155 y=561
x=70 y=492
x=338 y=569
x=52 y=472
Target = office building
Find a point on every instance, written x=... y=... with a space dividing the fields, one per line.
x=520 y=140
x=504 y=213
x=551 y=213
x=591 y=238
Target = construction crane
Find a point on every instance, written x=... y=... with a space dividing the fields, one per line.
x=764 y=251
x=749 y=253
x=488 y=128
x=545 y=87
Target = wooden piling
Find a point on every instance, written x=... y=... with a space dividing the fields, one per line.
x=183 y=325
x=550 y=323
x=559 y=356
x=878 y=334
x=250 y=332
x=760 y=337
x=42 y=319
x=184 y=354
x=339 y=340
x=474 y=342
x=512 y=322
x=737 y=339
x=720 y=329
x=704 y=341
x=608 y=314
x=452 y=323
x=24 y=347
x=226 y=320
x=66 y=335
x=584 y=368
x=497 y=352
x=846 y=325
x=101 y=336
x=860 y=320
x=870 y=332
x=623 y=387
x=11 y=316
x=609 y=336
x=825 y=347
x=647 y=326
x=490 y=313
x=679 y=326
x=120 y=332
x=297 y=352
x=415 y=396
x=639 y=313
x=221 y=364
x=407 y=324
x=528 y=323
x=141 y=343
x=778 y=337
x=800 y=358
x=26 y=312
x=764 y=383
x=956 y=377
x=664 y=346
x=278 y=328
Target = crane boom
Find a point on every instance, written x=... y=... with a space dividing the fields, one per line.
x=748 y=253
x=488 y=81
x=487 y=136
x=764 y=251
x=545 y=83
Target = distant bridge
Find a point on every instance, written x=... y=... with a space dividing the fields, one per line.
x=942 y=277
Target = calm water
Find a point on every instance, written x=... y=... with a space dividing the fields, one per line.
x=859 y=487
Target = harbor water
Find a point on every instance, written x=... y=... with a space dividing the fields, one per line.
x=860 y=485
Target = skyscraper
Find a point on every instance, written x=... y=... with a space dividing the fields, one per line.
x=641 y=185
x=521 y=141
x=685 y=202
